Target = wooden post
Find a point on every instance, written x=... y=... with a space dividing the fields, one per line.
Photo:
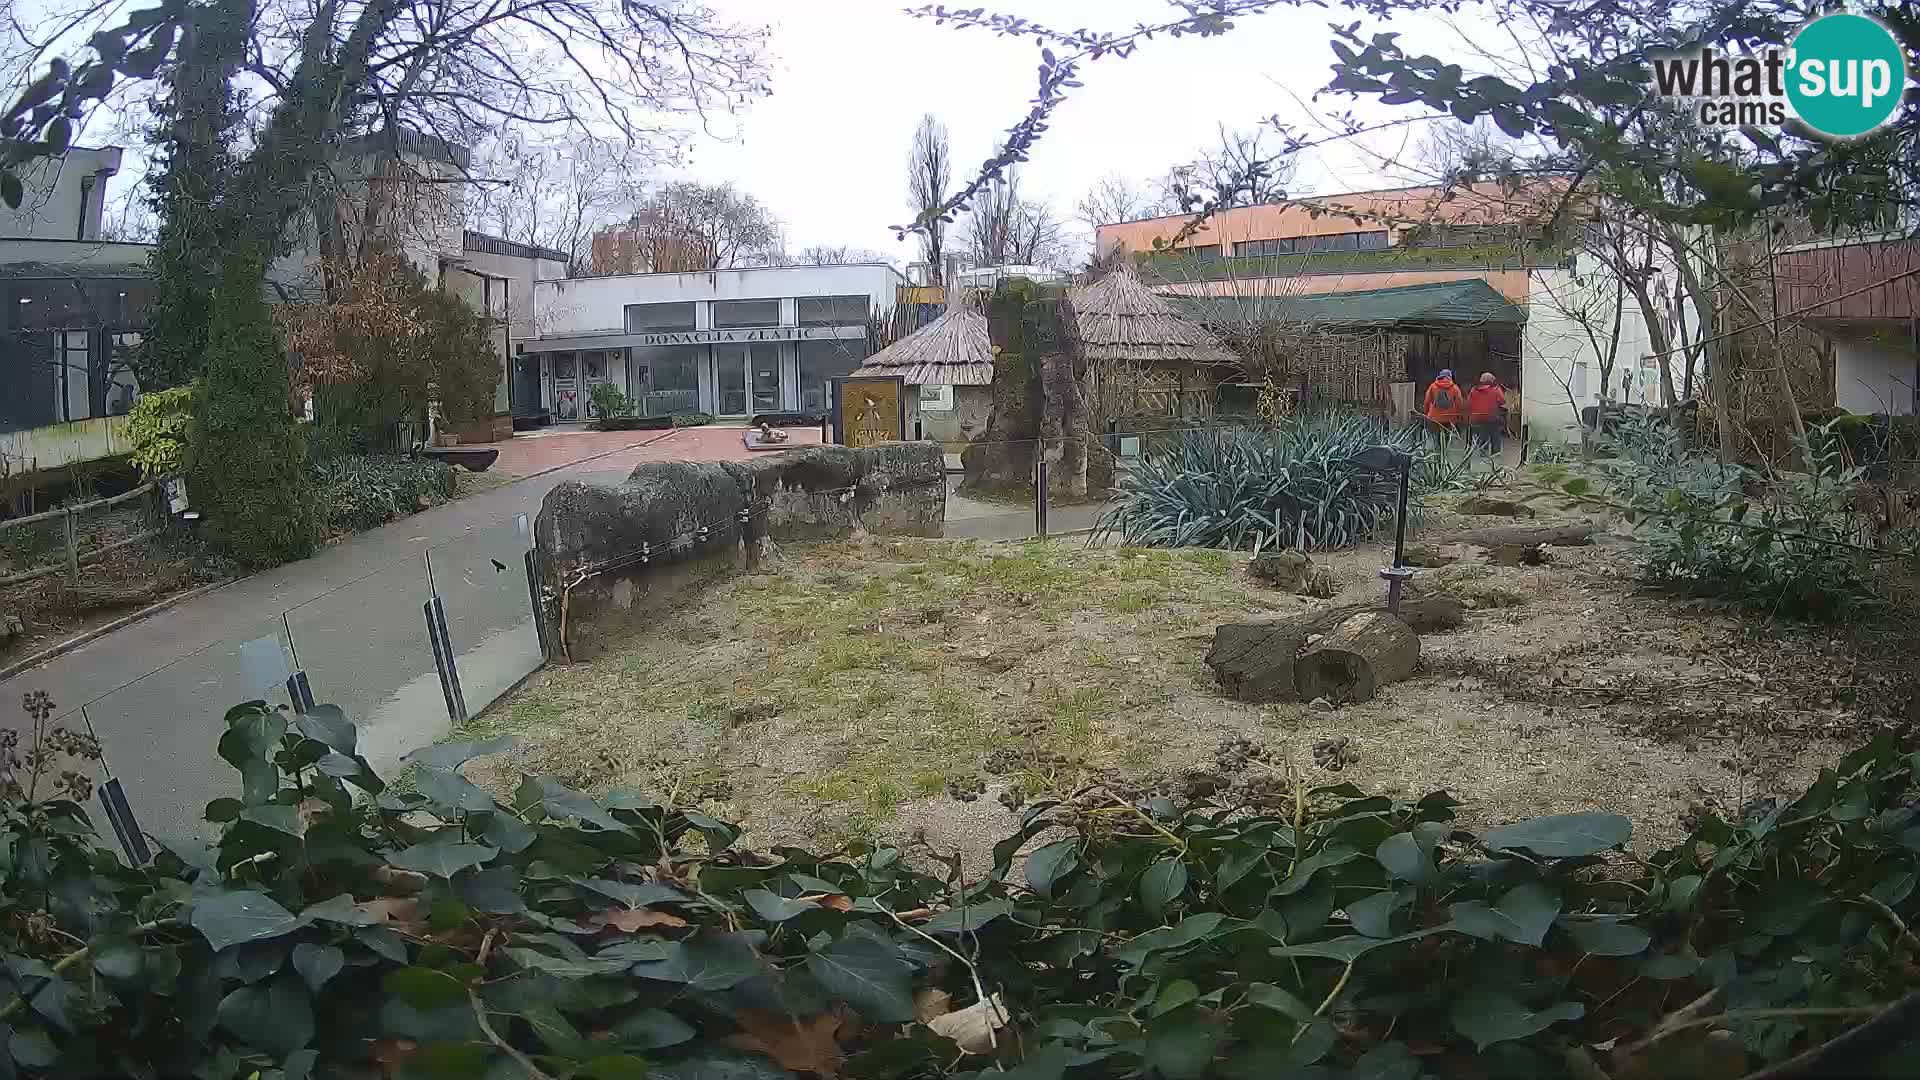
x=73 y=550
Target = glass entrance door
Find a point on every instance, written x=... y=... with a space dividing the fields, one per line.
x=766 y=378
x=730 y=370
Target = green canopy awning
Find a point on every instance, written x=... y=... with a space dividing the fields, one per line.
x=1437 y=304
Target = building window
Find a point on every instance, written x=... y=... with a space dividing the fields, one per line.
x=824 y=360
x=731 y=313
x=1200 y=253
x=833 y=310
x=667 y=380
x=1286 y=245
x=659 y=318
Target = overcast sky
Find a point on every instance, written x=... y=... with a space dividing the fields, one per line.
x=828 y=150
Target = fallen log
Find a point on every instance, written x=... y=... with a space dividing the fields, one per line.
x=1573 y=534
x=1255 y=661
x=1355 y=659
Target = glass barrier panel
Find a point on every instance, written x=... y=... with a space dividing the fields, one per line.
x=990 y=492
x=160 y=732
x=364 y=647
x=482 y=580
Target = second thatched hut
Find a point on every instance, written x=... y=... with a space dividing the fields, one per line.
x=1145 y=361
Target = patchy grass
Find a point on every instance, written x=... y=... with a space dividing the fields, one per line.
x=892 y=668
x=839 y=694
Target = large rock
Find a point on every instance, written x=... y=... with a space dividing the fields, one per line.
x=824 y=491
x=608 y=555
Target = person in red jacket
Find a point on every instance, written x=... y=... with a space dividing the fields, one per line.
x=1486 y=413
x=1445 y=405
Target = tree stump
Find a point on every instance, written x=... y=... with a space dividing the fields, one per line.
x=1257 y=661
x=1355 y=659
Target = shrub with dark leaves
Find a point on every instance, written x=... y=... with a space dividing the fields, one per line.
x=1294 y=485
x=359 y=492
x=336 y=926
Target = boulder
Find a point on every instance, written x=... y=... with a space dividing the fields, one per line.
x=608 y=554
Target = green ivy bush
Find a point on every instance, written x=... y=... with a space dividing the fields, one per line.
x=157 y=427
x=358 y=492
x=246 y=456
x=336 y=926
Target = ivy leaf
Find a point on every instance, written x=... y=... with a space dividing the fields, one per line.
x=230 y=918
x=651 y=1029
x=1193 y=928
x=1049 y=864
x=1522 y=915
x=1348 y=949
x=495 y=890
x=443 y=856
x=1334 y=855
x=1560 y=836
x=281 y=819
x=634 y=896
x=1181 y=1044
x=444 y=787
x=1268 y=996
x=341 y=909
x=253 y=733
x=329 y=726
x=966 y=919
x=775 y=908
x=1372 y=915
x=118 y=959
x=709 y=960
x=276 y=1016
x=1605 y=937
x=424 y=988
x=1388 y=1061
x=1162 y=882
x=317 y=963
x=503 y=830
x=719 y=1065
x=1408 y=856
x=868 y=972
x=32 y=1049
x=1489 y=1016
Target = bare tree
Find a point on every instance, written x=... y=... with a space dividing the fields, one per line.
x=1114 y=198
x=556 y=194
x=1006 y=229
x=1237 y=172
x=929 y=171
x=689 y=226
x=837 y=255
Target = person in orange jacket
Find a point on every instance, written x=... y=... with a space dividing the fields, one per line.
x=1486 y=412
x=1445 y=405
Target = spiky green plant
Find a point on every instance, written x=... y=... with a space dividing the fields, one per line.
x=1295 y=485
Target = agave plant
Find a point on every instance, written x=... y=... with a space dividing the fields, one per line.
x=1294 y=485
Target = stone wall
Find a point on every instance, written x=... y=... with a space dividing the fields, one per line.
x=608 y=555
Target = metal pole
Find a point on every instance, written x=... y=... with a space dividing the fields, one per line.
x=1398 y=573
x=533 y=599
x=1040 y=493
x=443 y=660
x=73 y=550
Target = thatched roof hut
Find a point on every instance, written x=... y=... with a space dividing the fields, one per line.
x=952 y=350
x=1120 y=320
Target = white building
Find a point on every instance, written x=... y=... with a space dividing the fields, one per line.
x=64 y=197
x=731 y=343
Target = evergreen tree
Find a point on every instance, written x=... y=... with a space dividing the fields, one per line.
x=246 y=455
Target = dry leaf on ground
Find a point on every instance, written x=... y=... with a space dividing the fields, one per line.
x=638 y=919
x=930 y=1003
x=799 y=1045
x=829 y=900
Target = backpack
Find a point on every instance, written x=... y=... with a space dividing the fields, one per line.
x=1445 y=401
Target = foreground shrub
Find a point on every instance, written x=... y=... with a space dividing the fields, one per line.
x=338 y=926
x=361 y=492
x=247 y=460
x=1293 y=485
x=157 y=427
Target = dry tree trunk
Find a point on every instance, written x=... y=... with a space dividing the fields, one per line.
x=1356 y=658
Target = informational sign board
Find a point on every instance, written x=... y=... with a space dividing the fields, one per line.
x=869 y=409
x=936 y=399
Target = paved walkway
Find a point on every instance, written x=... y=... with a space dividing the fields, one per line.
x=541 y=451
x=352 y=617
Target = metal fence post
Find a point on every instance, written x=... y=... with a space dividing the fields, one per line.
x=73 y=549
x=1040 y=493
x=300 y=692
x=443 y=659
x=533 y=600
